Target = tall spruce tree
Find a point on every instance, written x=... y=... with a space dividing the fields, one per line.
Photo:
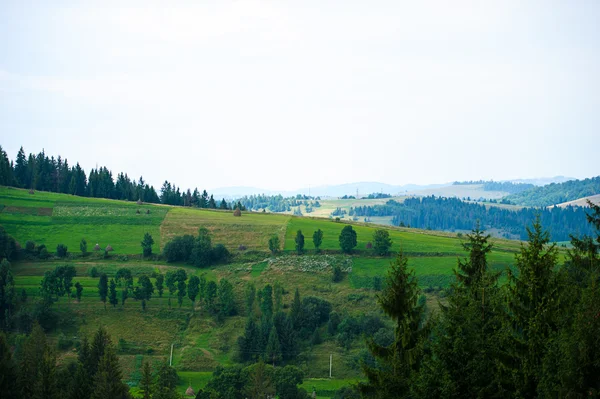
x=400 y=361
x=107 y=381
x=532 y=311
x=8 y=371
x=103 y=288
x=146 y=383
x=461 y=359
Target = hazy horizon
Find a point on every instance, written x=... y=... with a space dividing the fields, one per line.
x=283 y=95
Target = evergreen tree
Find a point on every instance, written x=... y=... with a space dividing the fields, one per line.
x=112 y=296
x=318 y=239
x=103 y=288
x=299 y=242
x=144 y=290
x=31 y=359
x=273 y=349
x=210 y=296
x=147 y=243
x=211 y=203
x=274 y=244
x=45 y=386
x=226 y=298
x=107 y=382
x=83 y=246
x=266 y=301
x=249 y=343
x=98 y=348
x=472 y=270
x=297 y=312
x=8 y=371
x=146 y=382
x=278 y=297
x=399 y=361
x=181 y=291
x=347 y=239
x=260 y=381
x=382 y=242
x=462 y=359
x=160 y=279
x=250 y=297
x=21 y=169
x=193 y=289
x=202 y=250
x=532 y=311
x=78 y=291
x=8 y=296
x=82 y=384
x=223 y=204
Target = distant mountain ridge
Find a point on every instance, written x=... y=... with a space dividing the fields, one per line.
x=337 y=190
x=364 y=188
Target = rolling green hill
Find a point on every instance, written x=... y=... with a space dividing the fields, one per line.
x=557 y=193
x=201 y=341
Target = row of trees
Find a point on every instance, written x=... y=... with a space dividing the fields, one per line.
x=381 y=244
x=40 y=172
x=218 y=298
x=278 y=203
x=535 y=336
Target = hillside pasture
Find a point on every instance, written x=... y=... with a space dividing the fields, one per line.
x=52 y=219
x=252 y=230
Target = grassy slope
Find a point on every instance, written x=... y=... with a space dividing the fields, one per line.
x=200 y=342
x=252 y=230
x=52 y=219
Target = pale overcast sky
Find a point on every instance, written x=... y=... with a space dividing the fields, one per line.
x=283 y=94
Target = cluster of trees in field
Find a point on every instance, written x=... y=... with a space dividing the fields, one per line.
x=278 y=203
x=32 y=371
x=557 y=193
x=535 y=336
x=439 y=213
x=18 y=313
x=216 y=298
x=40 y=172
x=197 y=251
x=377 y=196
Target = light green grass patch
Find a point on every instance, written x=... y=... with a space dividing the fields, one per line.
x=252 y=230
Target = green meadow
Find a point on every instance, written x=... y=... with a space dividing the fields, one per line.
x=201 y=342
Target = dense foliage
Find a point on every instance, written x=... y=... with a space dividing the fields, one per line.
x=451 y=214
x=197 y=251
x=278 y=203
x=40 y=172
x=536 y=336
x=557 y=193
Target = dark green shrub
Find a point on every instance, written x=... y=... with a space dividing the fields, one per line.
x=61 y=250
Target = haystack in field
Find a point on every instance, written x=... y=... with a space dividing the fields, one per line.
x=97 y=247
x=237 y=212
x=190 y=391
x=109 y=248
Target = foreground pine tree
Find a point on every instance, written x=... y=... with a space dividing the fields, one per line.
x=400 y=361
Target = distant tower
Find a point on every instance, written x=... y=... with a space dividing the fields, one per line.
x=356 y=192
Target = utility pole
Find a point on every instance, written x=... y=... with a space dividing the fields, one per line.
x=171 y=358
x=330 y=364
